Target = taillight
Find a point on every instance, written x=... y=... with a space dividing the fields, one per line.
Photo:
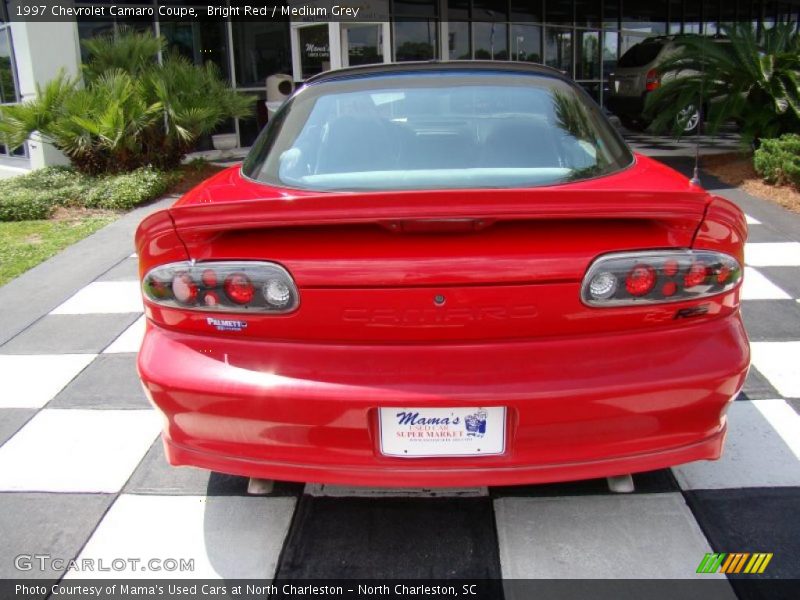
x=222 y=286
x=652 y=80
x=630 y=278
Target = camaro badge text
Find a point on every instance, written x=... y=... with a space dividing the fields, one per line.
x=226 y=324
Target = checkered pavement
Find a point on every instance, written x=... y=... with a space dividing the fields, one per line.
x=83 y=474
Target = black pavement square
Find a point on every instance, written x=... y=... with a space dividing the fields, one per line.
x=12 y=420
x=391 y=538
x=69 y=334
x=54 y=524
x=156 y=476
x=110 y=381
x=752 y=520
x=126 y=270
x=771 y=320
x=786 y=278
x=651 y=482
x=763 y=233
x=757 y=387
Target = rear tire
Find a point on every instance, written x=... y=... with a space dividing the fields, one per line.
x=690 y=119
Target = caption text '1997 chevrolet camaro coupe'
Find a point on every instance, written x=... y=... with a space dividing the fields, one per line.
x=443 y=274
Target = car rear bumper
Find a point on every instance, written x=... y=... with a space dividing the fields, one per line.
x=577 y=408
x=626 y=106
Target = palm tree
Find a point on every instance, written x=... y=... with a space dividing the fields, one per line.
x=129 y=110
x=753 y=81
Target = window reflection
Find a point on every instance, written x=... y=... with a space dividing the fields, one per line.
x=414 y=40
x=458 y=40
x=491 y=41
x=199 y=42
x=260 y=49
x=526 y=43
x=558 y=48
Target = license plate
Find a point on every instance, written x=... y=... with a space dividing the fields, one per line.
x=419 y=432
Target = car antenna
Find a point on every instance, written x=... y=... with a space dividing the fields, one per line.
x=695 y=180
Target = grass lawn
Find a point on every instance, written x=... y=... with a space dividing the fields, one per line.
x=24 y=244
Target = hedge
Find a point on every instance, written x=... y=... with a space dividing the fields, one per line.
x=778 y=160
x=37 y=194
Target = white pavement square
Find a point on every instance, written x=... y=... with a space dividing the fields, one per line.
x=758 y=287
x=31 y=381
x=772 y=254
x=755 y=454
x=784 y=420
x=77 y=450
x=779 y=362
x=752 y=220
x=129 y=340
x=618 y=532
x=231 y=537
x=104 y=297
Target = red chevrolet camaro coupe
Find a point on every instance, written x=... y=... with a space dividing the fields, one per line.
x=443 y=274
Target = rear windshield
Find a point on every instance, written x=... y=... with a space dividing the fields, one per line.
x=436 y=130
x=640 y=55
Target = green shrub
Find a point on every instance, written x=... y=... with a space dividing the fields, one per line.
x=24 y=205
x=37 y=194
x=778 y=160
x=122 y=192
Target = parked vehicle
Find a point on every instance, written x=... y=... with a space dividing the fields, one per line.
x=443 y=274
x=637 y=74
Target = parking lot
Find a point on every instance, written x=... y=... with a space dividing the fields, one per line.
x=82 y=471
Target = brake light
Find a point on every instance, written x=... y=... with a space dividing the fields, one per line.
x=652 y=80
x=640 y=280
x=650 y=277
x=239 y=288
x=222 y=286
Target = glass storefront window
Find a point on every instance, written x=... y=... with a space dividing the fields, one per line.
x=364 y=43
x=527 y=10
x=458 y=9
x=315 y=49
x=491 y=41
x=490 y=10
x=526 y=43
x=587 y=63
x=9 y=93
x=260 y=49
x=558 y=11
x=558 y=48
x=415 y=8
x=458 y=40
x=587 y=13
x=610 y=48
x=647 y=17
x=8 y=86
x=200 y=42
x=415 y=40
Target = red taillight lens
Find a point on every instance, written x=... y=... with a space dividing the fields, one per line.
x=239 y=288
x=658 y=276
x=652 y=80
x=222 y=286
x=640 y=280
x=184 y=288
x=696 y=276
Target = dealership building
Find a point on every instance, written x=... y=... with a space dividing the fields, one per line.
x=581 y=37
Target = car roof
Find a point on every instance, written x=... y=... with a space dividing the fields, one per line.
x=466 y=66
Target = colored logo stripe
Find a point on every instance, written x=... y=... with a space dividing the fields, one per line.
x=734 y=562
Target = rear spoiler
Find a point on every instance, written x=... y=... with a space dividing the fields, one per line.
x=390 y=208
